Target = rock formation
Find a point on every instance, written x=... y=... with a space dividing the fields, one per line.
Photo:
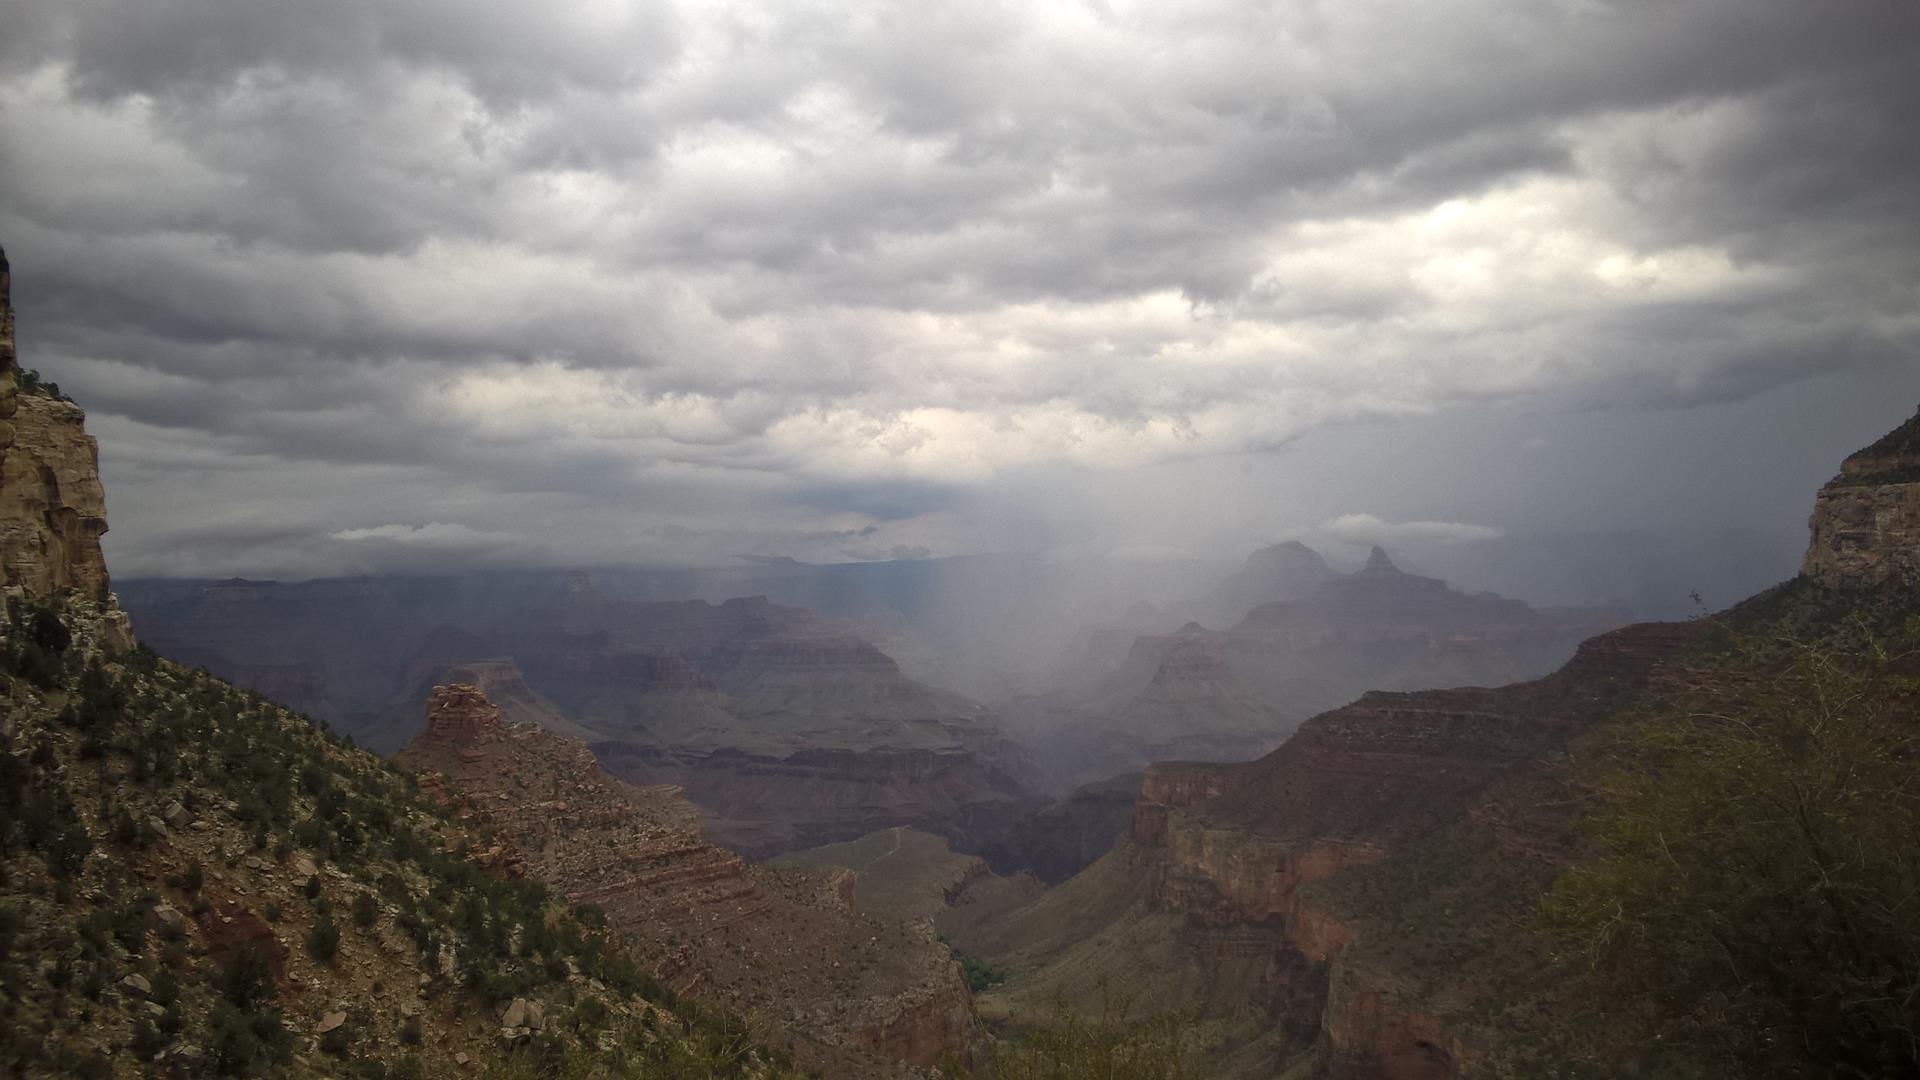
x=784 y=728
x=1233 y=694
x=1866 y=521
x=1355 y=903
x=460 y=714
x=1286 y=571
x=787 y=728
x=782 y=947
x=52 y=507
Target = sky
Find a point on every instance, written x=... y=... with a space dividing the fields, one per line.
x=399 y=285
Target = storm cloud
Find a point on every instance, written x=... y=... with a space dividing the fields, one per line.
x=344 y=282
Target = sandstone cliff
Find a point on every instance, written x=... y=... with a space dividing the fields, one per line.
x=863 y=996
x=52 y=507
x=1866 y=521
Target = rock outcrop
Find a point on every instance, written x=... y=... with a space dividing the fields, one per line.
x=460 y=714
x=52 y=507
x=1866 y=521
x=782 y=947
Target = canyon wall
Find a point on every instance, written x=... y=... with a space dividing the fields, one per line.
x=1373 y=884
x=783 y=947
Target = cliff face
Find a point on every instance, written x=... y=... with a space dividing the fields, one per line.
x=52 y=507
x=783 y=947
x=1866 y=521
x=1276 y=885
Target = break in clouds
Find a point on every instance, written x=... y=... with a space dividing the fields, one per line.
x=348 y=284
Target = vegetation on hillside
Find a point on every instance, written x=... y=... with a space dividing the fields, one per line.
x=1117 y=1043
x=1755 y=893
x=981 y=975
x=195 y=882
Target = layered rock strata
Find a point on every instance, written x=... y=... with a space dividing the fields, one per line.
x=783 y=947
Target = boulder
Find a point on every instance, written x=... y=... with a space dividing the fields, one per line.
x=523 y=1013
x=169 y=919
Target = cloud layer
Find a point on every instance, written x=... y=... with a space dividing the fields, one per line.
x=346 y=279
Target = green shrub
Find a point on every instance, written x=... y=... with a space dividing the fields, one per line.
x=1113 y=1045
x=245 y=978
x=1755 y=893
x=323 y=941
x=246 y=1042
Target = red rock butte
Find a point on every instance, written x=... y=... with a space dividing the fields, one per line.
x=460 y=713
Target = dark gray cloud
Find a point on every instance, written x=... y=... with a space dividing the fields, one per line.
x=346 y=281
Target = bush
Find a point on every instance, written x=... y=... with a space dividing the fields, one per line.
x=1759 y=866
x=323 y=941
x=245 y=978
x=1114 y=1045
x=244 y=1042
x=366 y=911
x=148 y=1040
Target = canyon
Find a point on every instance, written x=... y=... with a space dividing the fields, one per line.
x=1361 y=901
x=786 y=728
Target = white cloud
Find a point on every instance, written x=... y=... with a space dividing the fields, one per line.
x=1366 y=529
x=440 y=534
x=765 y=255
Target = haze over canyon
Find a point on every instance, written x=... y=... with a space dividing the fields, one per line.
x=1285 y=541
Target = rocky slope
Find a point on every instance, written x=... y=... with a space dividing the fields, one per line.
x=1360 y=902
x=908 y=876
x=858 y=995
x=199 y=883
